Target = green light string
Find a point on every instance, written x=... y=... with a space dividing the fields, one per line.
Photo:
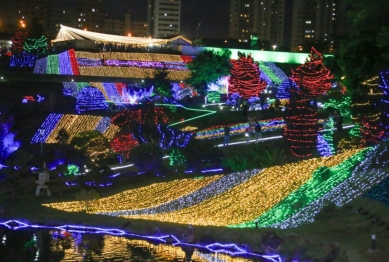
x=323 y=180
x=356 y=131
x=213 y=97
x=267 y=70
x=207 y=113
x=329 y=135
x=176 y=158
x=81 y=85
x=52 y=65
x=343 y=105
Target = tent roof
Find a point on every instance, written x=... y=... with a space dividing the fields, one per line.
x=68 y=33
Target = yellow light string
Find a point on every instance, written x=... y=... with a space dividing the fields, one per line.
x=148 y=196
x=252 y=198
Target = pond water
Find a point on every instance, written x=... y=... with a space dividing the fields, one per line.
x=22 y=243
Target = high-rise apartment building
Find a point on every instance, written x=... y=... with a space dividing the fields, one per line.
x=90 y=15
x=287 y=23
x=164 y=18
x=242 y=19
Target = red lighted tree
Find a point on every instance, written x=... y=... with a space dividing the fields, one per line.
x=245 y=77
x=123 y=144
x=312 y=78
x=18 y=40
x=301 y=127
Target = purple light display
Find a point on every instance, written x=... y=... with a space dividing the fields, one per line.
x=23 y=59
x=90 y=98
x=112 y=92
x=230 y=249
x=146 y=64
x=103 y=125
x=65 y=67
x=46 y=128
x=40 y=66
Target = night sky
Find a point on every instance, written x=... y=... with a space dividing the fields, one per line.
x=212 y=14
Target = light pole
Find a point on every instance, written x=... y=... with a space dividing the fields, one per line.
x=197 y=32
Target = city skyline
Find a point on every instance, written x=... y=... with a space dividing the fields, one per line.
x=212 y=14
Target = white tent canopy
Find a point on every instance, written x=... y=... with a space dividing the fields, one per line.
x=68 y=33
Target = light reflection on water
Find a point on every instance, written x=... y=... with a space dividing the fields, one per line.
x=56 y=245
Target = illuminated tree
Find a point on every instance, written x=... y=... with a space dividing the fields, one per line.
x=207 y=67
x=312 y=78
x=123 y=144
x=245 y=77
x=18 y=40
x=145 y=114
x=301 y=127
x=90 y=143
x=35 y=45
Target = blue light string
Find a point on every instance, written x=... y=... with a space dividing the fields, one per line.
x=229 y=249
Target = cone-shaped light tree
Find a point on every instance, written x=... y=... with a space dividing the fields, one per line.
x=301 y=127
x=245 y=77
x=18 y=40
x=312 y=78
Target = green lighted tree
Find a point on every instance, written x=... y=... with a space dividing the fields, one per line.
x=207 y=67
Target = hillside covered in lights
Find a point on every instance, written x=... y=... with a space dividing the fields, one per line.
x=280 y=196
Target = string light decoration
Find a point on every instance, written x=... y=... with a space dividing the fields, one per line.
x=23 y=59
x=325 y=143
x=64 y=64
x=313 y=78
x=283 y=89
x=250 y=199
x=135 y=56
x=90 y=98
x=301 y=127
x=322 y=181
x=18 y=40
x=217 y=131
x=384 y=86
x=159 y=244
x=176 y=158
x=143 y=197
x=213 y=97
x=219 y=186
x=221 y=85
x=40 y=66
x=343 y=106
x=52 y=65
x=371 y=128
x=73 y=124
x=154 y=115
x=269 y=73
x=245 y=77
x=123 y=144
x=35 y=45
x=169 y=137
x=72 y=170
x=346 y=191
x=181 y=91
